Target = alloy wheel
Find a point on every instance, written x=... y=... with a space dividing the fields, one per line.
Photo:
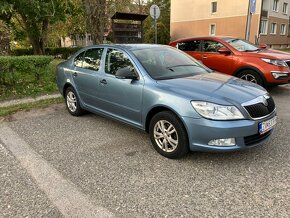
x=250 y=78
x=71 y=101
x=165 y=136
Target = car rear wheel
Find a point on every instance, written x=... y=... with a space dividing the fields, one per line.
x=251 y=76
x=168 y=135
x=72 y=102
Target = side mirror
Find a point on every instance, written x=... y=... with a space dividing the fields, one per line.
x=224 y=50
x=263 y=46
x=126 y=73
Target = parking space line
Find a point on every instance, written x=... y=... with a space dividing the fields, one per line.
x=63 y=193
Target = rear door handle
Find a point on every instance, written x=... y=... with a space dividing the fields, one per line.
x=204 y=57
x=103 y=81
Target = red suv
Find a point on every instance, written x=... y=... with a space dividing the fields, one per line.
x=239 y=58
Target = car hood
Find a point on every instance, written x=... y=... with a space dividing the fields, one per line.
x=270 y=53
x=213 y=87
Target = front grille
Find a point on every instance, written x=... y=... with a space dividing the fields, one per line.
x=254 y=139
x=260 y=110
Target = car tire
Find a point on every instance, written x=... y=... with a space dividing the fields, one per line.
x=72 y=102
x=251 y=76
x=168 y=135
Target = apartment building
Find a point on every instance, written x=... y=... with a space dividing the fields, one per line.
x=269 y=23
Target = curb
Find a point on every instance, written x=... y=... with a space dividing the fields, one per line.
x=27 y=100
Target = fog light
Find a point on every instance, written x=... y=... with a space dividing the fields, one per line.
x=222 y=142
x=280 y=75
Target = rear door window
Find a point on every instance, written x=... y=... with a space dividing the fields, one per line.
x=92 y=59
x=192 y=45
x=78 y=61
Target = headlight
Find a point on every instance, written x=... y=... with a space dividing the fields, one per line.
x=217 y=112
x=275 y=62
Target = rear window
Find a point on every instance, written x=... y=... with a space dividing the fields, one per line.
x=193 y=45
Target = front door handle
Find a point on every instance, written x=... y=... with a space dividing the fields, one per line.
x=204 y=57
x=75 y=74
x=103 y=81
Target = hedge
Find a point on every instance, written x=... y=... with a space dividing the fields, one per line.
x=22 y=69
x=61 y=52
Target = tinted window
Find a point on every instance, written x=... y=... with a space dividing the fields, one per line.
x=92 y=59
x=168 y=63
x=211 y=46
x=193 y=45
x=116 y=60
x=78 y=62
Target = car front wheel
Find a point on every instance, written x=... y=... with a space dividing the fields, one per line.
x=72 y=102
x=168 y=135
x=251 y=76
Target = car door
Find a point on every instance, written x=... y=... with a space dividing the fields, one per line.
x=121 y=97
x=213 y=59
x=86 y=75
x=191 y=47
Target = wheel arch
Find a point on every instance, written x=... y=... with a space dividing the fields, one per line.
x=65 y=87
x=156 y=110
x=239 y=70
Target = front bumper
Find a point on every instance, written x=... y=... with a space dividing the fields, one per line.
x=245 y=132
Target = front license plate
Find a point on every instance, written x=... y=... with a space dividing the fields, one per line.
x=267 y=125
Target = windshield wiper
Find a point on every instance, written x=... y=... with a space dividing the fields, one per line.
x=182 y=65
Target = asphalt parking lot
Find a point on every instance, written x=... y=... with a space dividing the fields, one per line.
x=57 y=165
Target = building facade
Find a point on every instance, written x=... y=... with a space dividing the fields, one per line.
x=269 y=23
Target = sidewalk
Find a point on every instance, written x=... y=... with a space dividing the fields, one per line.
x=27 y=100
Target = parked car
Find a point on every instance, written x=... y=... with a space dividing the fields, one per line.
x=239 y=58
x=182 y=104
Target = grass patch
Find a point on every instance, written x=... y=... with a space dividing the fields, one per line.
x=27 y=86
x=5 y=111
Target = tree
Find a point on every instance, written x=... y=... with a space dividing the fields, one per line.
x=4 y=39
x=34 y=17
x=99 y=13
x=95 y=11
x=163 y=23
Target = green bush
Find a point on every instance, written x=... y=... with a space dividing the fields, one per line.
x=26 y=76
x=61 y=52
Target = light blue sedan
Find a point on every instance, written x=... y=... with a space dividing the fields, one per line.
x=181 y=104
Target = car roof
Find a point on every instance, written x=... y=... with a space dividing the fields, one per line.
x=129 y=46
x=203 y=37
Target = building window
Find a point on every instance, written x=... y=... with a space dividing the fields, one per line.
x=273 y=28
x=213 y=7
x=263 y=27
x=212 y=29
x=275 y=5
x=283 y=29
x=285 y=8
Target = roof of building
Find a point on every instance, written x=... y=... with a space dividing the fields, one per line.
x=129 y=16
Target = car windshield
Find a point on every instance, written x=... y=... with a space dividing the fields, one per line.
x=241 y=45
x=168 y=63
